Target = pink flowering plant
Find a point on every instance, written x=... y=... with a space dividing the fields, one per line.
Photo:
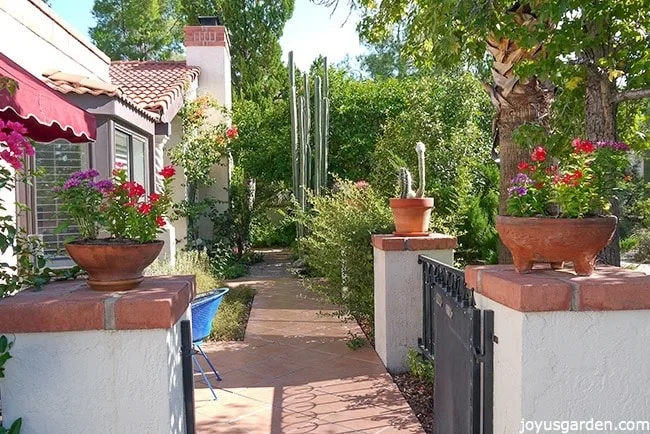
x=575 y=184
x=117 y=205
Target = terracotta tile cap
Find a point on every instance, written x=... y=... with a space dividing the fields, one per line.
x=609 y=288
x=72 y=306
x=430 y=242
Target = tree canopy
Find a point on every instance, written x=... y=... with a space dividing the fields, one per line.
x=137 y=29
x=255 y=28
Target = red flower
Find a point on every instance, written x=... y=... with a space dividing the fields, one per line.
x=154 y=197
x=538 y=154
x=168 y=172
x=130 y=204
x=539 y=185
x=550 y=170
x=160 y=221
x=582 y=146
x=144 y=208
x=134 y=189
x=523 y=166
x=577 y=174
x=232 y=132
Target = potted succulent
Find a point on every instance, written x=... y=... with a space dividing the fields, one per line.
x=121 y=208
x=559 y=207
x=412 y=211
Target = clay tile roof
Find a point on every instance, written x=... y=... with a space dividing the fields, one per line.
x=79 y=84
x=153 y=85
x=66 y=83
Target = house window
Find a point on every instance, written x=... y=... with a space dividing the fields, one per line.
x=58 y=160
x=131 y=151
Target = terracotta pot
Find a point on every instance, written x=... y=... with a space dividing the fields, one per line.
x=555 y=240
x=114 y=266
x=412 y=216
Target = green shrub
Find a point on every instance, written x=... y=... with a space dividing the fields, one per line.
x=188 y=262
x=642 y=253
x=420 y=367
x=338 y=247
x=272 y=232
x=230 y=322
x=452 y=116
x=629 y=243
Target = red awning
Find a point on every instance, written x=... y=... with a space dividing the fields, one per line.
x=46 y=114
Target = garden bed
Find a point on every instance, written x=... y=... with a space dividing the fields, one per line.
x=230 y=322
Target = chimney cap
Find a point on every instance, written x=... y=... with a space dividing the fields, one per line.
x=210 y=20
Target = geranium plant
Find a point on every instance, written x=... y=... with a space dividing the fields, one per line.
x=116 y=205
x=576 y=184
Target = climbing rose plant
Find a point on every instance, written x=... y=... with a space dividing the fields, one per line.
x=573 y=185
x=118 y=205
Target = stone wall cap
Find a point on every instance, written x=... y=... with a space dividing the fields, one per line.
x=432 y=241
x=158 y=303
x=608 y=289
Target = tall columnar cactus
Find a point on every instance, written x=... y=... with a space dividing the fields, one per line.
x=420 y=149
x=404 y=180
x=309 y=163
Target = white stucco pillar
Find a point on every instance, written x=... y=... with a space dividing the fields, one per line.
x=208 y=47
x=94 y=362
x=570 y=352
x=398 y=292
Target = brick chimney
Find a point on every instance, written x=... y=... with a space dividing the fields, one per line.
x=208 y=47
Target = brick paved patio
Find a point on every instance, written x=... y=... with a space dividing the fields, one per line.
x=294 y=373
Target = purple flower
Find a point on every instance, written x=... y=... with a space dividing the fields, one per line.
x=517 y=191
x=88 y=174
x=71 y=183
x=616 y=146
x=104 y=186
x=521 y=178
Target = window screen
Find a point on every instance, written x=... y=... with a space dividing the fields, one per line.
x=58 y=160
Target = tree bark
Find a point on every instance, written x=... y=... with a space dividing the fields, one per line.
x=600 y=118
x=529 y=103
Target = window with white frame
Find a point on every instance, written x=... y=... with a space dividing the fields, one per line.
x=57 y=160
x=131 y=151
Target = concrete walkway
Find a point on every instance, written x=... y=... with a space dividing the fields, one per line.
x=294 y=373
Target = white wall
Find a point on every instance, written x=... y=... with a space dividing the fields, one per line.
x=33 y=36
x=216 y=81
x=569 y=365
x=96 y=382
x=398 y=303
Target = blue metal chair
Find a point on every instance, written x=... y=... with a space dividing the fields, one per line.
x=204 y=309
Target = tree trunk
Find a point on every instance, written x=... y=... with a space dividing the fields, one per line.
x=517 y=102
x=600 y=119
x=529 y=103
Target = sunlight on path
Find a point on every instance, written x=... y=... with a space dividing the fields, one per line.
x=294 y=373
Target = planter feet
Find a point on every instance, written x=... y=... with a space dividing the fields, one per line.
x=584 y=266
x=523 y=266
x=557 y=265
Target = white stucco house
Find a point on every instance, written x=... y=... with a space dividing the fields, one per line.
x=135 y=104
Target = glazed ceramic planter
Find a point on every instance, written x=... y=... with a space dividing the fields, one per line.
x=113 y=266
x=555 y=240
x=412 y=216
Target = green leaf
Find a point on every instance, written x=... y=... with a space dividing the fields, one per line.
x=15 y=427
x=62 y=227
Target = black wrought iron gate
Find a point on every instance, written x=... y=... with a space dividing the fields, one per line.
x=458 y=338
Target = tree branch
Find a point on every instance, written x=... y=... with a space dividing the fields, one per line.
x=629 y=95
